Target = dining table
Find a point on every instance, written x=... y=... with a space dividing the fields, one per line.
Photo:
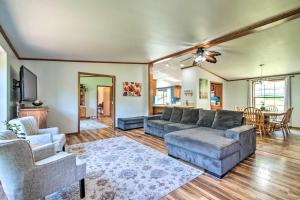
x=269 y=117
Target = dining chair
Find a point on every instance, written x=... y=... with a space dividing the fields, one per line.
x=239 y=108
x=284 y=123
x=256 y=118
x=272 y=108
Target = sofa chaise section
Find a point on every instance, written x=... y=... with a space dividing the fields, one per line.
x=209 y=148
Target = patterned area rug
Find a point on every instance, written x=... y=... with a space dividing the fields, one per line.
x=121 y=168
x=90 y=124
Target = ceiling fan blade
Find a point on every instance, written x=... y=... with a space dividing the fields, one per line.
x=186 y=59
x=210 y=59
x=213 y=53
x=182 y=68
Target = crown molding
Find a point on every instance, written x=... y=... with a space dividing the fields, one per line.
x=8 y=42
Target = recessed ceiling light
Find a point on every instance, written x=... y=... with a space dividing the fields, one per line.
x=167 y=65
x=181 y=65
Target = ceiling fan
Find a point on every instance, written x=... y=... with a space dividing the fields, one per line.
x=203 y=55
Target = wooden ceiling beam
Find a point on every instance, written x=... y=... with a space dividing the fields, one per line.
x=258 y=26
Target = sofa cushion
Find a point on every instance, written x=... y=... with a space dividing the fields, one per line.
x=178 y=126
x=226 y=119
x=206 y=118
x=166 y=115
x=205 y=141
x=190 y=116
x=176 y=115
x=158 y=123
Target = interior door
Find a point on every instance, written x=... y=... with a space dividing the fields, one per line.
x=107 y=101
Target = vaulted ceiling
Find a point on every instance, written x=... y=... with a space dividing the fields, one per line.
x=144 y=30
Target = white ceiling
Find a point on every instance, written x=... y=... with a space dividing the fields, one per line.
x=277 y=48
x=127 y=30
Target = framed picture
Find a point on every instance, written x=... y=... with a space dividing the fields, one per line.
x=203 y=88
x=132 y=89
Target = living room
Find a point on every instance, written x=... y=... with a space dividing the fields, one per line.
x=202 y=104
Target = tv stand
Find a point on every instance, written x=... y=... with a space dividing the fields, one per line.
x=39 y=113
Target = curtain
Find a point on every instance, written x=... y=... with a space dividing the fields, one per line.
x=250 y=93
x=287 y=95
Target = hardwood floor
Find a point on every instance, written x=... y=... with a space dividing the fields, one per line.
x=272 y=173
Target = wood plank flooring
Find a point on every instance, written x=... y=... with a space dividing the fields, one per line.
x=272 y=173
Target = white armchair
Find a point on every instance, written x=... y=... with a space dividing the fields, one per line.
x=39 y=152
x=28 y=125
x=23 y=178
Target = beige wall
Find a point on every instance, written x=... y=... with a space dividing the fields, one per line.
x=57 y=88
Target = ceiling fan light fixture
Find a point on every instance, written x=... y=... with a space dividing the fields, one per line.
x=200 y=59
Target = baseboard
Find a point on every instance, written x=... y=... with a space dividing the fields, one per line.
x=71 y=133
x=295 y=127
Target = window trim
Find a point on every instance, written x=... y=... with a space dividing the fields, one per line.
x=253 y=89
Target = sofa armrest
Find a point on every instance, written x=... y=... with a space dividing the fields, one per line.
x=246 y=136
x=44 y=151
x=238 y=132
x=53 y=130
x=152 y=117
x=61 y=168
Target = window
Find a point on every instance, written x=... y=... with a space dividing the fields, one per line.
x=269 y=93
x=163 y=96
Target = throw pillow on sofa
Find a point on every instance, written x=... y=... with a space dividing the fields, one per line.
x=190 y=116
x=176 y=115
x=166 y=115
x=226 y=119
x=206 y=118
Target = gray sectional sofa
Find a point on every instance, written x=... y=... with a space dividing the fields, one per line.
x=213 y=140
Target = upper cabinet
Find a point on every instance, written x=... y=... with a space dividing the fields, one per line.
x=177 y=91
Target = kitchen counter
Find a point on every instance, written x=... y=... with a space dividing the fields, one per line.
x=159 y=108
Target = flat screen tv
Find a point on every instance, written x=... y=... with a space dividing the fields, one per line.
x=28 y=85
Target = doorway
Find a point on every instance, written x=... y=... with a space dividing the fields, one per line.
x=216 y=96
x=96 y=101
x=104 y=97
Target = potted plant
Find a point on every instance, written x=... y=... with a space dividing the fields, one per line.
x=262 y=108
x=15 y=129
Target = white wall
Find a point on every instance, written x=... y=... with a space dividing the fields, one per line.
x=57 y=88
x=236 y=94
x=190 y=81
x=3 y=88
x=9 y=70
x=91 y=84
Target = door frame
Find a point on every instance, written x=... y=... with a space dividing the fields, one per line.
x=113 y=96
x=218 y=83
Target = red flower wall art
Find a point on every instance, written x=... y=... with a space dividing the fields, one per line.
x=132 y=89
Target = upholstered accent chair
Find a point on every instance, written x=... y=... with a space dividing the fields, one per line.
x=28 y=125
x=23 y=178
x=39 y=151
